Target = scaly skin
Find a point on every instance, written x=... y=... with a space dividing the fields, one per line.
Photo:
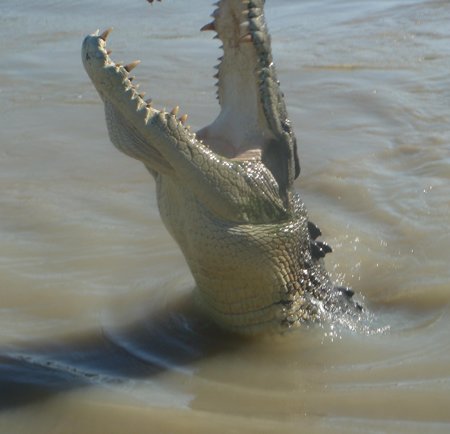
x=225 y=193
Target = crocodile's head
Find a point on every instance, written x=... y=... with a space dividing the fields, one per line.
x=225 y=193
x=252 y=123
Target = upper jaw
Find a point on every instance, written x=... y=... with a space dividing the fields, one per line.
x=125 y=106
x=111 y=78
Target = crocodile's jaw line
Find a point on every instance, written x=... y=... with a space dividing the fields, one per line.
x=225 y=193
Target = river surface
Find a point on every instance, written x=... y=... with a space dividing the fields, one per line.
x=97 y=333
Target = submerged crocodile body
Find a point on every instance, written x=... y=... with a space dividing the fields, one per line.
x=225 y=194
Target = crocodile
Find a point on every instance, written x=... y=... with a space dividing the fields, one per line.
x=225 y=193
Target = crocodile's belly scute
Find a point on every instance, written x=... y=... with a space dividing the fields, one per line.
x=247 y=275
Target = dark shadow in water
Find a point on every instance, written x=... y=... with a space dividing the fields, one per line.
x=170 y=339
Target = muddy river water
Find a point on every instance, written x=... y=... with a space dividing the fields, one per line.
x=96 y=330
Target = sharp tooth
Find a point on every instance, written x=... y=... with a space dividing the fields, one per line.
x=175 y=111
x=142 y=95
x=132 y=65
x=244 y=27
x=183 y=119
x=108 y=52
x=209 y=27
x=246 y=38
x=106 y=33
x=148 y=101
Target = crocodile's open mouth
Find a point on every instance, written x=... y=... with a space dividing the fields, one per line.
x=252 y=123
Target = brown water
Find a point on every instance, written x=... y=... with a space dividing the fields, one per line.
x=97 y=334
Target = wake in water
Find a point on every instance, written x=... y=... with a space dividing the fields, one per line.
x=173 y=337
